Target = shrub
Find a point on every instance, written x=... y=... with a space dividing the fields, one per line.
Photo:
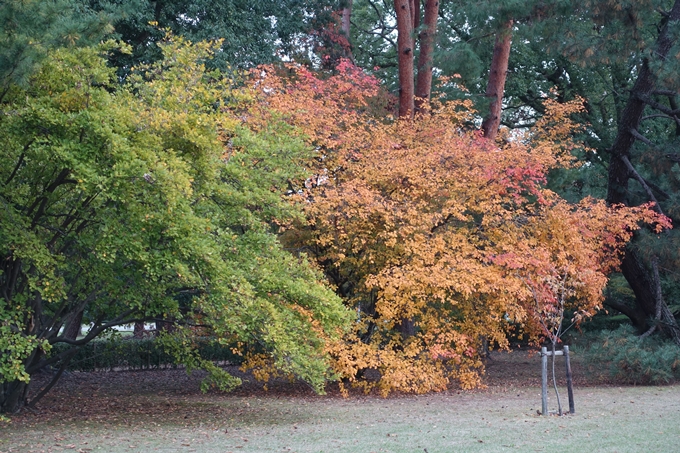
x=137 y=354
x=623 y=357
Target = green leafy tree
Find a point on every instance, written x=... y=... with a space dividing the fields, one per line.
x=251 y=32
x=120 y=201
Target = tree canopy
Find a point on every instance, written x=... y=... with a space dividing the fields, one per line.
x=338 y=210
x=119 y=199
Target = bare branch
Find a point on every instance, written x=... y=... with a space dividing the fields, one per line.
x=642 y=138
x=661 y=115
x=643 y=183
x=665 y=92
x=658 y=106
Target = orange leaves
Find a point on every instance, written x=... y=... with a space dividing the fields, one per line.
x=563 y=254
x=425 y=223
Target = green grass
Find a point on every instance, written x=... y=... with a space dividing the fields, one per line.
x=630 y=419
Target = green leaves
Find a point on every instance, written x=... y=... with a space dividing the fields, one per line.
x=123 y=200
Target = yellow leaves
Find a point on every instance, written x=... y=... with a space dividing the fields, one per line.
x=261 y=366
x=423 y=222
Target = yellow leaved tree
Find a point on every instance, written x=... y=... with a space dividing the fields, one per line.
x=435 y=236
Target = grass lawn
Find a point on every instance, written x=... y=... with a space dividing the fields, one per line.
x=92 y=418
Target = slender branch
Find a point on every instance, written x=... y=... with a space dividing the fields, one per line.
x=665 y=92
x=120 y=320
x=41 y=202
x=658 y=106
x=54 y=380
x=660 y=192
x=642 y=182
x=76 y=343
x=642 y=138
x=384 y=34
x=20 y=162
x=661 y=115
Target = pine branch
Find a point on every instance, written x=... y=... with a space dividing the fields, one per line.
x=658 y=106
x=661 y=115
x=642 y=138
x=642 y=182
x=665 y=92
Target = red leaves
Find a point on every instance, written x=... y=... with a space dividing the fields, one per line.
x=422 y=221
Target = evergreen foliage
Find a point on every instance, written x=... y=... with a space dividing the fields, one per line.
x=623 y=357
x=250 y=32
x=30 y=28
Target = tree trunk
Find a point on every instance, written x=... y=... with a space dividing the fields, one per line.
x=13 y=397
x=346 y=16
x=407 y=328
x=165 y=325
x=138 y=331
x=415 y=18
x=345 y=25
x=426 y=39
x=405 y=56
x=674 y=106
x=642 y=285
x=73 y=328
x=633 y=269
x=497 y=75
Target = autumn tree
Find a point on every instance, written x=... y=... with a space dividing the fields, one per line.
x=606 y=52
x=426 y=221
x=595 y=50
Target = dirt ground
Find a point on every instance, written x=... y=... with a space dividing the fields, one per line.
x=164 y=411
x=109 y=395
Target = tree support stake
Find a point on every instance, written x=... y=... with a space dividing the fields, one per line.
x=544 y=378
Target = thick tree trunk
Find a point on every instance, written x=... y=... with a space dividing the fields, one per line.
x=73 y=328
x=674 y=106
x=496 y=84
x=13 y=397
x=14 y=393
x=642 y=285
x=426 y=39
x=635 y=272
x=619 y=174
x=405 y=49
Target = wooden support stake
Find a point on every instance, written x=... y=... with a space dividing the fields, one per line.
x=544 y=380
x=570 y=387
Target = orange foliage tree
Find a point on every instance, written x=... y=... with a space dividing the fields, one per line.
x=426 y=221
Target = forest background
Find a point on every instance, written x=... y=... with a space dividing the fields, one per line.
x=331 y=189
